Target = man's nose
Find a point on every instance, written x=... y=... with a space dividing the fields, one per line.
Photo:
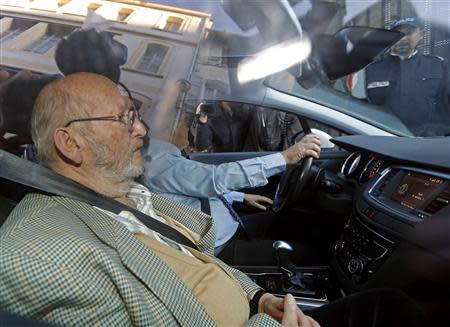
x=139 y=128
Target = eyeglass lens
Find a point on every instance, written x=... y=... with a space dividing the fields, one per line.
x=131 y=119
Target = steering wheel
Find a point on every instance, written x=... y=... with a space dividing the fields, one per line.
x=291 y=183
x=294 y=178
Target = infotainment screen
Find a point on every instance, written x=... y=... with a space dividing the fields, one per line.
x=415 y=189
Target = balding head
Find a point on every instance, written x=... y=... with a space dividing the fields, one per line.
x=72 y=97
x=86 y=130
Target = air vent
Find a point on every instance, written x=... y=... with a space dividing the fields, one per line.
x=441 y=201
x=386 y=180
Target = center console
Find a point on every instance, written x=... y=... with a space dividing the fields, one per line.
x=387 y=210
x=374 y=249
x=312 y=287
x=361 y=251
x=320 y=285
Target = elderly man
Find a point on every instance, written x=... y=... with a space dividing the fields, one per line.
x=70 y=263
x=82 y=265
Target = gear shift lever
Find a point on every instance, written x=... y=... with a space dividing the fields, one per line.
x=295 y=284
x=283 y=252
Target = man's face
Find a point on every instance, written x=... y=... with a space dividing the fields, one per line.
x=413 y=35
x=115 y=150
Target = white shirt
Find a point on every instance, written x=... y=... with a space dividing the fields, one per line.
x=142 y=197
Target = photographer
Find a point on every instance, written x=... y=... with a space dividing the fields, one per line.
x=220 y=127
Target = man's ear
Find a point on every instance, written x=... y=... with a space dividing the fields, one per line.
x=67 y=143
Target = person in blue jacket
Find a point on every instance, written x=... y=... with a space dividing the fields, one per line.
x=186 y=181
x=411 y=85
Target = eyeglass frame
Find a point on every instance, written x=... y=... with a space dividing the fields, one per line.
x=118 y=117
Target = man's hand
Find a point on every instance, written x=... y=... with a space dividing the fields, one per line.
x=257 y=201
x=293 y=316
x=309 y=146
x=285 y=311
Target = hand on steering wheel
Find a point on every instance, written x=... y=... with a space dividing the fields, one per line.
x=309 y=146
x=307 y=149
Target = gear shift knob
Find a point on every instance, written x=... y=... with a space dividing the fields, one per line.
x=282 y=245
x=283 y=252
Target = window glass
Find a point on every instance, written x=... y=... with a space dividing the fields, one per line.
x=53 y=34
x=173 y=24
x=123 y=14
x=224 y=126
x=153 y=58
x=94 y=6
x=62 y=3
x=406 y=90
x=11 y=34
x=217 y=37
x=44 y=43
x=13 y=28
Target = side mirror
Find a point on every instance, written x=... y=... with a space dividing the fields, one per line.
x=347 y=51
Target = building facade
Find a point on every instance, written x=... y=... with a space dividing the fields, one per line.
x=163 y=45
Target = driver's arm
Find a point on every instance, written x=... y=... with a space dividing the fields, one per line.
x=169 y=172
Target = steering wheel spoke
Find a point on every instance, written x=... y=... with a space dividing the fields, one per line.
x=292 y=183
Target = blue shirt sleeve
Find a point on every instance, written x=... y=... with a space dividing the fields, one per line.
x=234 y=197
x=169 y=172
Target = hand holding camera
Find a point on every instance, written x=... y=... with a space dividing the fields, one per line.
x=202 y=112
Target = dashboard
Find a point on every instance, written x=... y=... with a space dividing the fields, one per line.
x=402 y=188
x=410 y=192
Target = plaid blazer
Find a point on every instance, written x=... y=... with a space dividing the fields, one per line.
x=68 y=263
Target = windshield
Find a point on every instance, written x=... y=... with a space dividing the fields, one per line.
x=409 y=80
x=174 y=56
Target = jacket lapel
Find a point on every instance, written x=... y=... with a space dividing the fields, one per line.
x=143 y=263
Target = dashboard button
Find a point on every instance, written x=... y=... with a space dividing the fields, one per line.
x=370 y=212
x=355 y=266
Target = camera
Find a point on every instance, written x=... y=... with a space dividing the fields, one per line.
x=204 y=109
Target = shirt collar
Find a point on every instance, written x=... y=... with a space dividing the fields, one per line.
x=143 y=199
x=403 y=58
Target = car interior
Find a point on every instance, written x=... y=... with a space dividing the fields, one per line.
x=373 y=211
x=377 y=214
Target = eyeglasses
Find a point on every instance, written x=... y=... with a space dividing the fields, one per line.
x=128 y=118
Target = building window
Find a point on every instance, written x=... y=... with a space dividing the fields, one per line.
x=10 y=34
x=123 y=14
x=153 y=58
x=44 y=43
x=173 y=24
x=17 y=27
x=62 y=3
x=94 y=6
x=47 y=41
x=210 y=93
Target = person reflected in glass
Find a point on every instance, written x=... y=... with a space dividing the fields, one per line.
x=221 y=127
x=272 y=130
x=412 y=85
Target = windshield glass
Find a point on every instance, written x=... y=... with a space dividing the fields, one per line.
x=409 y=80
x=174 y=56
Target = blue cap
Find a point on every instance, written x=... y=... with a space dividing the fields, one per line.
x=412 y=21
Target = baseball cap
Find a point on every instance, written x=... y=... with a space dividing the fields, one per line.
x=412 y=21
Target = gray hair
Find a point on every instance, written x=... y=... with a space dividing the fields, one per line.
x=53 y=108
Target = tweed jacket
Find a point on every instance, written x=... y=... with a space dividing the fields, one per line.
x=70 y=264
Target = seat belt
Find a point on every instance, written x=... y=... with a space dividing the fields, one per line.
x=41 y=178
x=204 y=206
